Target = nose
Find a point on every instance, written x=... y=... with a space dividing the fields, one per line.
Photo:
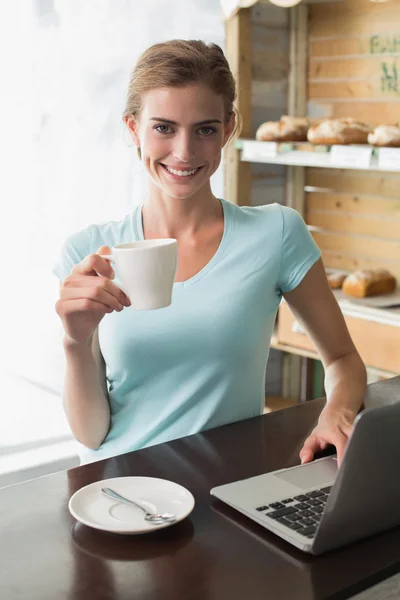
x=183 y=149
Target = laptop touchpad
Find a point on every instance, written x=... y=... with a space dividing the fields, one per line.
x=311 y=475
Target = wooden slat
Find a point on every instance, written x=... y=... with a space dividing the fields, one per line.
x=376 y=342
x=262 y=37
x=357 y=17
x=361 y=245
x=297 y=96
x=269 y=65
x=355 y=182
x=385 y=227
x=354 y=61
x=373 y=88
x=269 y=15
x=371 y=66
x=347 y=7
x=353 y=262
x=356 y=204
x=237 y=175
x=375 y=113
x=269 y=93
x=387 y=44
x=261 y=195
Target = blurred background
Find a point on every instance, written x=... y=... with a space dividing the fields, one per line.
x=67 y=161
x=67 y=67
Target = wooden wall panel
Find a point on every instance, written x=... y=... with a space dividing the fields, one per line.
x=361 y=44
x=374 y=113
x=360 y=225
x=355 y=182
x=354 y=71
x=354 y=60
x=354 y=17
x=351 y=91
x=346 y=67
x=368 y=246
x=352 y=262
x=354 y=204
x=237 y=174
x=270 y=70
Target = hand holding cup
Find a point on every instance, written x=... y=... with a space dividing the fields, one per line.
x=88 y=294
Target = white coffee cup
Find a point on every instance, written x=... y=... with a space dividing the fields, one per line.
x=146 y=270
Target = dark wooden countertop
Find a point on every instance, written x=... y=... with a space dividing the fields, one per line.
x=215 y=554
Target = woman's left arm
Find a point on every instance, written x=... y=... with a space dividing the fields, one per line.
x=315 y=307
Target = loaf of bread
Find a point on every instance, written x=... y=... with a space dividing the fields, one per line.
x=335 y=280
x=339 y=131
x=287 y=129
x=385 y=136
x=373 y=282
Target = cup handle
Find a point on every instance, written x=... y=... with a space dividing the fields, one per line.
x=121 y=287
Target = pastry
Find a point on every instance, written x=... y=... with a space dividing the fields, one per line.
x=369 y=282
x=385 y=135
x=335 y=280
x=288 y=129
x=339 y=131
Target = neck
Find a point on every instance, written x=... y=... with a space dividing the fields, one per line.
x=165 y=216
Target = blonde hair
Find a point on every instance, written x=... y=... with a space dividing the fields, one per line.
x=178 y=63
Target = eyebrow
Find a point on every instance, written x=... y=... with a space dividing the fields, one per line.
x=207 y=122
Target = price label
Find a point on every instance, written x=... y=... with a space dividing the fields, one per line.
x=389 y=158
x=258 y=150
x=351 y=156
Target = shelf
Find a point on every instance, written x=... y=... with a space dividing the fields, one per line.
x=303 y=154
x=375 y=333
x=315 y=356
x=360 y=309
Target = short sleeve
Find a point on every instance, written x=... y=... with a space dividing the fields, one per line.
x=74 y=249
x=299 y=250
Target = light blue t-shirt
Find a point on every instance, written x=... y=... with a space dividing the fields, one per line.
x=200 y=362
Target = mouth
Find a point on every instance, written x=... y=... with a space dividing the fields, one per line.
x=179 y=175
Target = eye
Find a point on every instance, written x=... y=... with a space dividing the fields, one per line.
x=163 y=128
x=207 y=131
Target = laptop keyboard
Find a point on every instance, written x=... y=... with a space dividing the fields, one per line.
x=301 y=513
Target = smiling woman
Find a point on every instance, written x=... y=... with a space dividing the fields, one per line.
x=181 y=151
x=181 y=147
x=137 y=378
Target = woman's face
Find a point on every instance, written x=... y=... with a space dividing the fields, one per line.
x=181 y=133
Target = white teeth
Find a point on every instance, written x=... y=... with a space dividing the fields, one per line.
x=181 y=173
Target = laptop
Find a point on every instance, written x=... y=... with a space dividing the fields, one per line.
x=318 y=507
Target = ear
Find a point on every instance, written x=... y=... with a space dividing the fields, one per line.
x=133 y=127
x=229 y=127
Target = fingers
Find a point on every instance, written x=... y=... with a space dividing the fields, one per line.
x=91 y=278
x=96 y=293
x=313 y=444
x=309 y=448
x=64 y=309
x=340 y=443
x=93 y=264
x=81 y=286
x=104 y=250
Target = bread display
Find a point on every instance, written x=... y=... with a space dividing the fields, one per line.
x=385 y=136
x=288 y=129
x=335 y=280
x=369 y=282
x=339 y=131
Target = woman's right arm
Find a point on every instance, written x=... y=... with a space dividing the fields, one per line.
x=85 y=395
x=85 y=297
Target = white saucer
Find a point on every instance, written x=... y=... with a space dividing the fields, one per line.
x=91 y=507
